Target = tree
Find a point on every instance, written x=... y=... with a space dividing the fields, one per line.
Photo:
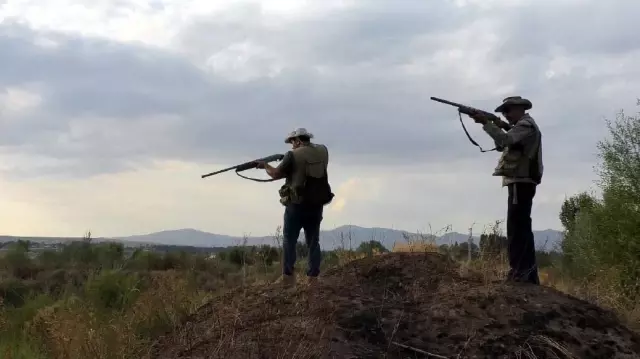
x=22 y=245
x=371 y=247
x=16 y=260
x=620 y=155
x=268 y=254
x=572 y=206
x=602 y=234
x=237 y=256
x=493 y=244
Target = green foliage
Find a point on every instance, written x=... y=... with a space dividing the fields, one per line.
x=370 y=247
x=460 y=251
x=19 y=349
x=87 y=296
x=86 y=254
x=329 y=258
x=620 y=172
x=14 y=292
x=253 y=255
x=140 y=260
x=268 y=255
x=548 y=259
x=17 y=262
x=601 y=235
x=572 y=206
x=114 y=289
x=301 y=250
x=239 y=256
x=29 y=308
x=493 y=244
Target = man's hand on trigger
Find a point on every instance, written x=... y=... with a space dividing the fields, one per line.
x=479 y=118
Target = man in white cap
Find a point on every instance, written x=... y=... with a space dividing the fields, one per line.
x=305 y=192
x=521 y=169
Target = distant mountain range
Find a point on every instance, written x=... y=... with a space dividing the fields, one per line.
x=348 y=236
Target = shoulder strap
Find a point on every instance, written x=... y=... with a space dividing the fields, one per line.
x=469 y=136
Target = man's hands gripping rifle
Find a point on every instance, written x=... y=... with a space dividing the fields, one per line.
x=479 y=116
x=250 y=165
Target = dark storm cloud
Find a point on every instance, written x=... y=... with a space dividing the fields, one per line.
x=107 y=105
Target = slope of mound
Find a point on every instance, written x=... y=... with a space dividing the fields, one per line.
x=400 y=305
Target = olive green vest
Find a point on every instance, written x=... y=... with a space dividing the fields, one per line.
x=522 y=162
x=310 y=161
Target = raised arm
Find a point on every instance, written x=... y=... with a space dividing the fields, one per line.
x=284 y=168
x=517 y=133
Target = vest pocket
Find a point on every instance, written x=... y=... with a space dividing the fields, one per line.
x=509 y=163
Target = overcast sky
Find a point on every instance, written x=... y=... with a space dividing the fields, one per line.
x=111 y=110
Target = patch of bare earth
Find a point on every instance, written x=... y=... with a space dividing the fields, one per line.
x=400 y=305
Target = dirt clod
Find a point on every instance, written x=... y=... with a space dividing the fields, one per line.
x=400 y=305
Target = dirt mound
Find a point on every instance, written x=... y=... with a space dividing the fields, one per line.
x=400 y=306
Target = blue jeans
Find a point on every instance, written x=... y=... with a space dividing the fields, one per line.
x=297 y=217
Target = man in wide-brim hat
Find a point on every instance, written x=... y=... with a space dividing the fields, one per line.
x=515 y=102
x=521 y=169
x=305 y=192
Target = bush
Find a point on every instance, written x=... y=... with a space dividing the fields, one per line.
x=17 y=262
x=114 y=289
x=601 y=234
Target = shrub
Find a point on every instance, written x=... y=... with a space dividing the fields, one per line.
x=601 y=234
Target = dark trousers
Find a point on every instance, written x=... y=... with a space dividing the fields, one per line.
x=522 y=253
x=297 y=217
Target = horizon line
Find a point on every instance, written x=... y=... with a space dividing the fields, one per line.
x=123 y=237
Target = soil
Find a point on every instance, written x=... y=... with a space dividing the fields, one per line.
x=400 y=305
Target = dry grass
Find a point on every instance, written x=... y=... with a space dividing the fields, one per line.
x=493 y=267
x=541 y=343
x=372 y=298
x=75 y=329
x=601 y=290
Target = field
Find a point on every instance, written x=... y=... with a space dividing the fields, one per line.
x=90 y=300
x=94 y=300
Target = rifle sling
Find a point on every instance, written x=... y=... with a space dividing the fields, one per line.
x=255 y=179
x=469 y=136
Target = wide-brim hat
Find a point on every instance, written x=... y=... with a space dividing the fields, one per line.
x=296 y=133
x=514 y=101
